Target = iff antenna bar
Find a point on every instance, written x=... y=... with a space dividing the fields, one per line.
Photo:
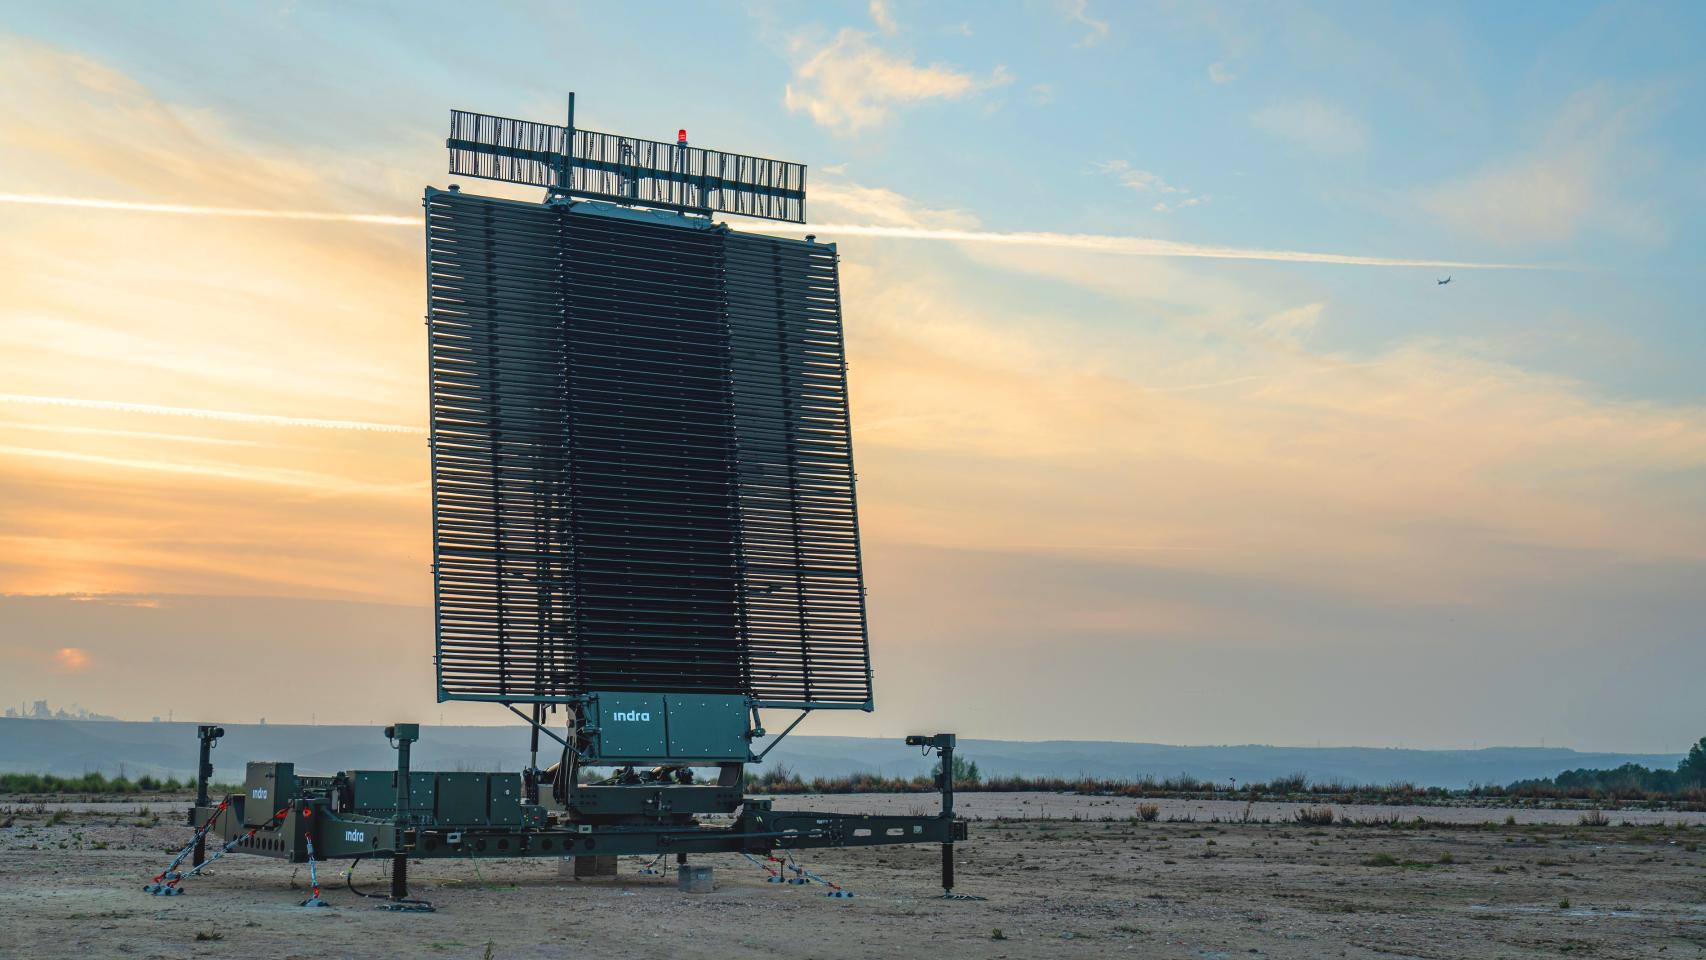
x=629 y=170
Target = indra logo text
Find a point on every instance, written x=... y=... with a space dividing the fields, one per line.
x=639 y=715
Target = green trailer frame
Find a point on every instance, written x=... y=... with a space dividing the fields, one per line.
x=409 y=814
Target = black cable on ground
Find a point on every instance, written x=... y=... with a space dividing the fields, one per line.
x=421 y=906
x=349 y=878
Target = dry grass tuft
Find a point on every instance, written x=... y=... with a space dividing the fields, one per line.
x=1315 y=816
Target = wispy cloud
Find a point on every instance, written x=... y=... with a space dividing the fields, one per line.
x=887 y=207
x=152 y=256
x=230 y=416
x=1295 y=323
x=852 y=84
x=320 y=483
x=1419 y=456
x=1144 y=183
x=1078 y=11
x=1140 y=181
x=1570 y=180
x=883 y=17
x=1314 y=125
x=1163 y=206
x=96 y=203
x=72 y=430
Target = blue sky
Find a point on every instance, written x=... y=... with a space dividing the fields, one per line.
x=1330 y=472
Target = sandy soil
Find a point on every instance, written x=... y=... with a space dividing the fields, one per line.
x=1056 y=888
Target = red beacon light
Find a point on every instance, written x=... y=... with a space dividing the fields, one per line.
x=681 y=138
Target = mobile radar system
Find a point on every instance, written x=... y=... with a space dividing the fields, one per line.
x=645 y=534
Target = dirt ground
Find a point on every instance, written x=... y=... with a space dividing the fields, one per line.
x=1056 y=887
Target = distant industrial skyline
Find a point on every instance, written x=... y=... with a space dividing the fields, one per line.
x=1165 y=431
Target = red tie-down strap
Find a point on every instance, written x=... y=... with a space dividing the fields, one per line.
x=170 y=873
x=171 y=886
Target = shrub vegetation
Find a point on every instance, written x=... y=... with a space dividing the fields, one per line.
x=89 y=783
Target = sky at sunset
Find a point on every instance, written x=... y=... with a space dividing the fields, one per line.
x=1165 y=430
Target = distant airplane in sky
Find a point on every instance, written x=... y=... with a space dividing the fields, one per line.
x=1443 y=282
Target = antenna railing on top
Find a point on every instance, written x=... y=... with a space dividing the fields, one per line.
x=622 y=169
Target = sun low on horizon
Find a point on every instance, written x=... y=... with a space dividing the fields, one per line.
x=1219 y=374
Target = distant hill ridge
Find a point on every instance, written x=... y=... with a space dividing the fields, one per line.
x=69 y=747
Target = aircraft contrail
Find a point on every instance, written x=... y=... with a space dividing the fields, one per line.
x=379 y=219
x=232 y=416
x=1138 y=246
x=1090 y=242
